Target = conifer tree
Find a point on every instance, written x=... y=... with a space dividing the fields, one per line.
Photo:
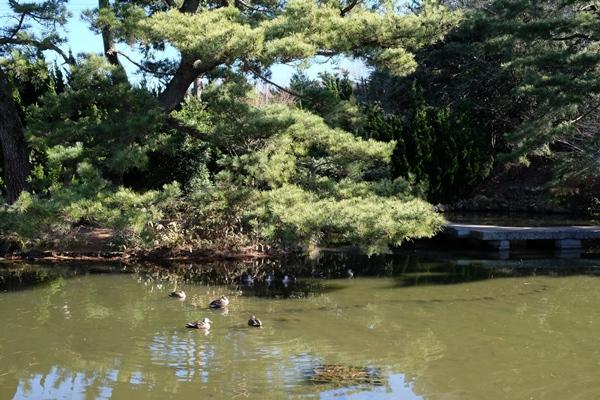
x=34 y=31
x=252 y=36
x=554 y=47
x=288 y=176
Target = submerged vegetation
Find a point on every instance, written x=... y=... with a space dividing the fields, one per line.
x=123 y=144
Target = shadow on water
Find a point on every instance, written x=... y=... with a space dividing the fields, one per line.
x=296 y=277
x=19 y=276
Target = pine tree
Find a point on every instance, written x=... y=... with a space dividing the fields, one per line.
x=553 y=46
x=250 y=37
x=35 y=30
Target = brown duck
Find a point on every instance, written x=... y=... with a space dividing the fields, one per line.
x=221 y=302
x=200 y=324
x=254 y=322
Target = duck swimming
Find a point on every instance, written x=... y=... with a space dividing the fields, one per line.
x=221 y=302
x=178 y=294
x=288 y=280
x=248 y=280
x=254 y=322
x=200 y=324
x=269 y=279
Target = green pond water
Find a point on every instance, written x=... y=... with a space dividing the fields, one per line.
x=426 y=329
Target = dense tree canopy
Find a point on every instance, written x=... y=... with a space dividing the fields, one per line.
x=553 y=47
x=246 y=172
x=118 y=140
x=522 y=75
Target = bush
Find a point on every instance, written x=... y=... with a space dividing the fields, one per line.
x=445 y=150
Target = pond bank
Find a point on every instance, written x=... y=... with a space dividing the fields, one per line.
x=135 y=257
x=92 y=244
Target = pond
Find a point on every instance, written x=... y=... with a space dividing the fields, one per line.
x=413 y=327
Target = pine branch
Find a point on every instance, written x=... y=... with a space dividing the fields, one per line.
x=349 y=7
x=247 y=6
x=40 y=45
x=176 y=124
x=142 y=67
x=283 y=89
x=572 y=36
x=19 y=26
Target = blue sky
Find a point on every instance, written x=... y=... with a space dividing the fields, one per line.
x=82 y=40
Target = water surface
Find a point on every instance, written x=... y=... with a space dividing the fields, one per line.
x=432 y=329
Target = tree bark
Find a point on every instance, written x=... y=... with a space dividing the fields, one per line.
x=184 y=77
x=190 y=6
x=174 y=92
x=14 y=146
x=187 y=72
x=108 y=40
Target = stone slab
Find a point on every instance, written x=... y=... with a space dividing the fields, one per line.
x=500 y=244
x=500 y=233
x=567 y=244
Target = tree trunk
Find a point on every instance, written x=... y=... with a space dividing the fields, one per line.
x=184 y=77
x=189 y=69
x=174 y=92
x=110 y=48
x=14 y=146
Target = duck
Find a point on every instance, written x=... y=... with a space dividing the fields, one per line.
x=315 y=273
x=221 y=302
x=254 y=322
x=269 y=279
x=248 y=280
x=178 y=294
x=288 y=280
x=200 y=324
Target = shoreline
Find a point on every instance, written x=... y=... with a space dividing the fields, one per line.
x=131 y=258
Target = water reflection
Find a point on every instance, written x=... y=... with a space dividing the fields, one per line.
x=297 y=277
x=396 y=388
x=436 y=329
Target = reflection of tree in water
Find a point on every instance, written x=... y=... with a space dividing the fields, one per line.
x=101 y=336
x=72 y=336
x=263 y=277
x=90 y=349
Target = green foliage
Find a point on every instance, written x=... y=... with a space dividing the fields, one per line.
x=34 y=221
x=297 y=30
x=332 y=97
x=97 y=119
x=290 y=215
x=322 y=95
x=307 y=183
x=445 y=149
x=529 y=71
x=554 y=48
x=281 y=176
x=105 y=152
